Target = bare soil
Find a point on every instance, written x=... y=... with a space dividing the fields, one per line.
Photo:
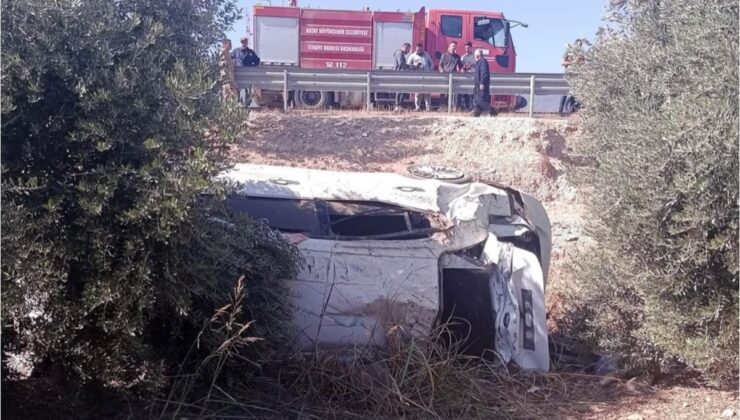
x=532 y=155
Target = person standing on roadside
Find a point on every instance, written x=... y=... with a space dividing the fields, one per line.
x=568 y=102
x=482 y=89
x=226 y=64
x=400 y=63
x=449 y=62
x=467 y=65
x=245 y=57
x=419 y=60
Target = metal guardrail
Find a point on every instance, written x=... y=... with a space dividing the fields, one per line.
x=287 y=79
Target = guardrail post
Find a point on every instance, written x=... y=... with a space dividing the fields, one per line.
x=367 y=92
x=285 y=90
x=531 y=95
x=449 y=94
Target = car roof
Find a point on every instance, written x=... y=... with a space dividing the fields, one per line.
x=306 y=184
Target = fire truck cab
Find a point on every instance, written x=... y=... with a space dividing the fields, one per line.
x=488 y=31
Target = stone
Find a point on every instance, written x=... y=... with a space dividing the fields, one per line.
x=637 y=386
x=608 y=380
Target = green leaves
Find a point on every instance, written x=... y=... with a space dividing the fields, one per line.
x=152 y=143
x=112 y=130
x=660 y=100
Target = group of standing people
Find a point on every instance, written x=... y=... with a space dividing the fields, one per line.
x=449 y=62
x=240 y=57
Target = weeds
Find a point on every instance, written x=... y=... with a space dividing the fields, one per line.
x=406 y=378
x=226 y=327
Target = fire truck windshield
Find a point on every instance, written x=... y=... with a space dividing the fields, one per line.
x=492 y=31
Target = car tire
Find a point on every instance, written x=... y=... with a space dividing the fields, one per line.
x=521 y=103
x=440 y=173
x=311 y=99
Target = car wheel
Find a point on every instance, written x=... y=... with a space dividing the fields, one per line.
x=312 y=99
x=440 y=173
x=521 y=103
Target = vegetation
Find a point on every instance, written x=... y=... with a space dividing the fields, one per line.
x=411 y=379
x=113 y=128
x=116 y=264
x=659 y=90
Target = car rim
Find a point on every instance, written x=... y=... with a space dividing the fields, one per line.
x=311 y=97
x=442 y=173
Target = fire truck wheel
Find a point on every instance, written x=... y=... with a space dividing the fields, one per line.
x=314 y=99
x=440 y=173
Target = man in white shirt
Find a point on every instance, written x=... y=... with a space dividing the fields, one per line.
x=421 y=61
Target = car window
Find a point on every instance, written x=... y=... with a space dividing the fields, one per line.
x=352 y=218
x=492 y=31
x=345 y=220
x=285 y=215
x=451 y=26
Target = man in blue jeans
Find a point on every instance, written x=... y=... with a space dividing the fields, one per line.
x=449 y=62
x=400 y=64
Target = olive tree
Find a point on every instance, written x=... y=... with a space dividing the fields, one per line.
x=659 y=90
x=112 y=130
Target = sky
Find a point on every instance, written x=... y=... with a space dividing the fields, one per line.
x=539 y=47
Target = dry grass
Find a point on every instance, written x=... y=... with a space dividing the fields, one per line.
x=407 y=378
x=226 y=324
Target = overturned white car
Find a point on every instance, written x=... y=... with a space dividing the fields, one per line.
x=384 y=250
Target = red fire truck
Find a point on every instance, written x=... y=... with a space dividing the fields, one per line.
x=366 y=40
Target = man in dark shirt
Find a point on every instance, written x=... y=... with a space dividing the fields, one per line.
x=400 y=64
x=449 y=62
x=245 y=57
x=482 y=89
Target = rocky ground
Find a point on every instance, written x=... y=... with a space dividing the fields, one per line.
x=534 y=155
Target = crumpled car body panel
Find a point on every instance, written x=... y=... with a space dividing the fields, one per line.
x=390 y=252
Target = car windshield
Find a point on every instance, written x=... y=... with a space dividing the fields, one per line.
x=492 y=31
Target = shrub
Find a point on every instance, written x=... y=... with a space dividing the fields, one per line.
x=112 y=129
x=660 y=111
